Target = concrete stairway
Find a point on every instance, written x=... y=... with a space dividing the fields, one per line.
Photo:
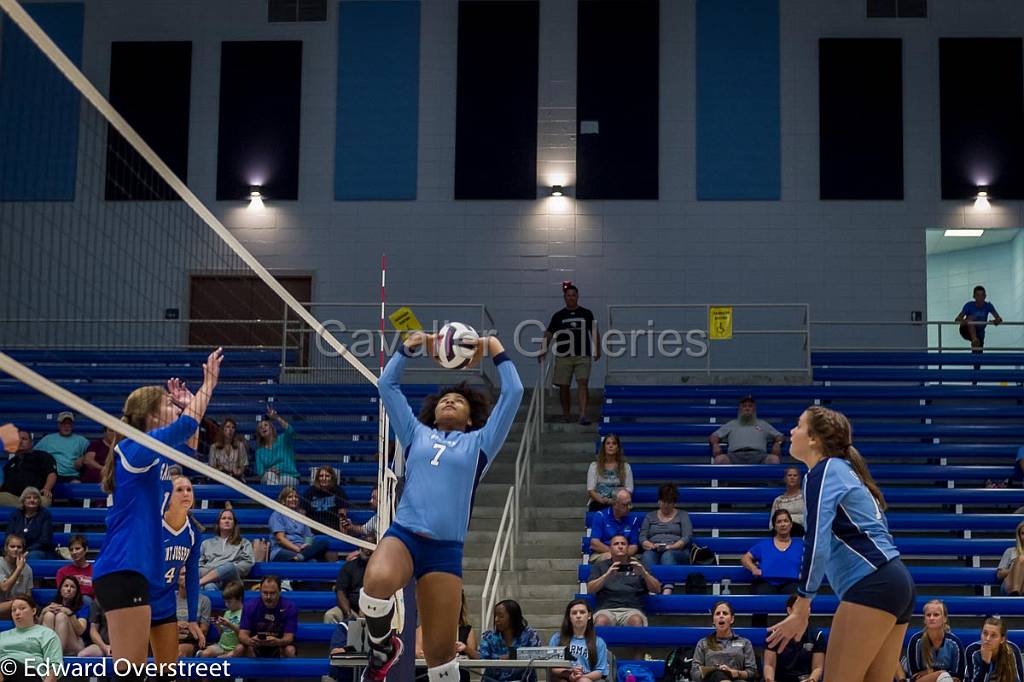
x=544 y=579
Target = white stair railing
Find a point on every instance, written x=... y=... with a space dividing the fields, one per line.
x=504 y=551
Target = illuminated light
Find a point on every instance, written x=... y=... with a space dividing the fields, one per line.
x=963 y=233
x=557 y=190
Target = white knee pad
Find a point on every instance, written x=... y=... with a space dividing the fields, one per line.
x=449 y=672
x=944 y=677
x=373 y=607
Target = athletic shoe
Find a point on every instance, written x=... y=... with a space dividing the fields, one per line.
x=378 y=667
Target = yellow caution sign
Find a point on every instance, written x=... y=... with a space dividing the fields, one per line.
x=404 y=320
x=720 y=323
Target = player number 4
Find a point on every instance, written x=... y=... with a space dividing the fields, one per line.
x=169 y=576
x=440 y=451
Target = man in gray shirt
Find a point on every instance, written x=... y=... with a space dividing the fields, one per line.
x=620 y=586
x=747 y=438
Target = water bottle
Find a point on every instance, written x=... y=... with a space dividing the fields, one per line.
x=726 y=582
x=630 y=677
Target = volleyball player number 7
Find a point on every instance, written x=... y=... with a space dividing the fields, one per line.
x=449 y=447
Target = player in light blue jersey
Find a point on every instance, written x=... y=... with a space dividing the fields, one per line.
x=448 y=448
x=181 y=556
x=847 y=541
x=131 y=564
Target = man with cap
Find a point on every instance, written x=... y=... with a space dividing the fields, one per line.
x=747 y=438
x=28 y=468
x=66 y=447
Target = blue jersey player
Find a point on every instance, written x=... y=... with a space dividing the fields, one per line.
x=181 y=557
x=448 y=449
x=131 y=564
x=847 y=540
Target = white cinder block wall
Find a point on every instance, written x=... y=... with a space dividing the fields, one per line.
x=848 y=260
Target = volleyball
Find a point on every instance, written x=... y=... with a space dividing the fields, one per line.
x=455 y=346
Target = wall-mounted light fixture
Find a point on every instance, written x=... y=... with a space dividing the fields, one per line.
x=557 y=191
x=981 y=198
x=963 y=233
x=255 y=198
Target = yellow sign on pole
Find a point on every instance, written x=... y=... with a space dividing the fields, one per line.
x=405 y=321
x=720 y=323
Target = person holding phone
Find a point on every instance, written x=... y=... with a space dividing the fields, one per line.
x=620 y=586
x=665 y=534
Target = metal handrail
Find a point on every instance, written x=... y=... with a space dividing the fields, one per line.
x=922 y=324
x=508 y=527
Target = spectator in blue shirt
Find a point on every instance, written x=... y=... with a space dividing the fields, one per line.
x=977 y=311
x=775 y=562
x=616 y=520
x=511 y=631
x=589 y=652
x=293 y=540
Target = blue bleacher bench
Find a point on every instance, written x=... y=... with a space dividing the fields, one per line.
x=689 y=636
x=749 y=495
x=880 y=374
x=213 y=492
x=95 y=540
x=914 y=358
x=898 y=521
x=906 y=545
x=870 y=430
x=775 y=472
x=290 y=570
x=923 y=575
x=786 y=410
x=868 y=449
x=148 y=357
x=810 y=392
x=208 y=517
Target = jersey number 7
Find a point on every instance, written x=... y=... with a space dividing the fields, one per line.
x=440 y=451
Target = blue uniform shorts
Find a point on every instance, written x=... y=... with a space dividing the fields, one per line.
x=429 y=556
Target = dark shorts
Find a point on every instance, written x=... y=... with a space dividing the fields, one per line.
x=428 y=555
x=890 y=588
x=157 y=622
x=121 y=590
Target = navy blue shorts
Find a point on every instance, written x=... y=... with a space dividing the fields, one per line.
x=429 y=556
x=890 y=588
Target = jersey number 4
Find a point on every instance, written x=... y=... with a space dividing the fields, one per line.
x=440 y=451
x=169 y=575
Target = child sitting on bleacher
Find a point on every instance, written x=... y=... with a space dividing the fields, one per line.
x=228 y=646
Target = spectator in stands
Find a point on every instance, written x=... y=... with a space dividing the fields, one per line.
x=974 y=318
x=229 y=452
x=226 y=557
x=993 y=658
x=98 y=632
x=28 y=468
x=803 y=659
x=292 y=540
x=347 y=586
x=609 y=473
x=15 y=573
x=616 y=520
x=511 y=631
x=574 y=334
x=1011 y=569
x=67 y=448
x=775 y=561
x=665 y=534
x=67 y=615
x=325 y=499
x=79 y=568
x=275 y=455
x=368 y=528
x=588 y=651
x=792 y=500
x=934 y=653
x=747 y=438
x=28 y=643
x=188 y=644
x=95 y=455
x=723 y=655
x=620 y=585
x=268 y=625
x=230 y=624
x=33 y=522
x=467 y=644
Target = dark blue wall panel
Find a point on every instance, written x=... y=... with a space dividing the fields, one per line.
x=39 y=109
x=738 y=99
x=378 y=100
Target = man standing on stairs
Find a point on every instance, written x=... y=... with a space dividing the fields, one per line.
x=575 y=337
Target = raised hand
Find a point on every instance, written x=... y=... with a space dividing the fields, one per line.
x=180 y=393
x=211 y=368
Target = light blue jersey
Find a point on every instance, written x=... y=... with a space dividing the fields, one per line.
x=181 y=549
x=134 y=538
x=444 y=468
x=581 y=655
x=847 y=534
